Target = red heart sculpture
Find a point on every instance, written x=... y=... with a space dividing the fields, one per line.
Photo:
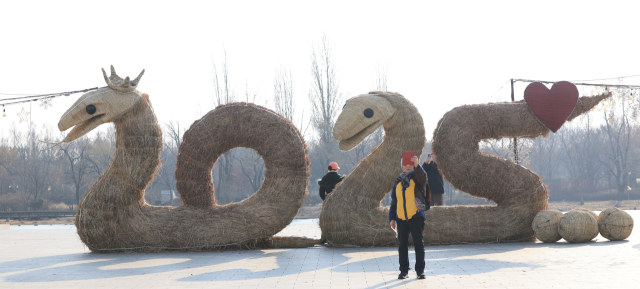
x=551 y=107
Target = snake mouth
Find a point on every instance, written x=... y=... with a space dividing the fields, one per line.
x=84 y=127
x=357 y=138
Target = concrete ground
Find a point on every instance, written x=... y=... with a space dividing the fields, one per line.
x=55 y=258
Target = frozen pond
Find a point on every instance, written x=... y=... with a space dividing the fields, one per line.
x=42 y=227
x=73 y=227
x=305 y=222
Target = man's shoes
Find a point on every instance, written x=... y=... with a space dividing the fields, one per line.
x=403 y=275
x=421 y=276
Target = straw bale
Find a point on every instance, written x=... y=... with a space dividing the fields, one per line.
x=592 y=213
x=578 y=226
x=113 y=215
x=615 y=224
x=545 y=226
x=353 y=215
x=291 y=242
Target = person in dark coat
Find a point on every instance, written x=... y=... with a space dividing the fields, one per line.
x=436 y=182
x=330 y=180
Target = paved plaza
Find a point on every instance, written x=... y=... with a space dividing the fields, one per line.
x=55 y=258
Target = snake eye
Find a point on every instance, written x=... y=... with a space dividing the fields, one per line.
x=345 y=105
x=91 y=109
x=368 y=113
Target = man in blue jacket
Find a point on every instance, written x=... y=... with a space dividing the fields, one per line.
x=410 y=198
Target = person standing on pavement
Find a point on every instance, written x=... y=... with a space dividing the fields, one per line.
x=436 y=182
x=330 y=180
x=410 y=199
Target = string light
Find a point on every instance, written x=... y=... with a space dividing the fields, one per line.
x=46 y=98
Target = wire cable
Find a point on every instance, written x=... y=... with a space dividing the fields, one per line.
x=614 y=78
x=25 y=99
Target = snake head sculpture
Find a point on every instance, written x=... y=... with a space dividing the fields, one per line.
x=101 y=106
x=360 y=117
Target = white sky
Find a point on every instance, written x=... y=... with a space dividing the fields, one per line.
x=439 y=54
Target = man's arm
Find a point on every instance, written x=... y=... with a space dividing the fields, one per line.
x=428 y=167
x=394 y=203
x=322 y=192
x=421 y=176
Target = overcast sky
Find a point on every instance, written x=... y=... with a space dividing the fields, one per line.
x=439 y=54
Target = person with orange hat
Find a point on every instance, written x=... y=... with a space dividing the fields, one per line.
x=330 y=180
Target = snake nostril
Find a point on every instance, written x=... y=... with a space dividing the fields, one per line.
x=91 y=109
x=368 y=113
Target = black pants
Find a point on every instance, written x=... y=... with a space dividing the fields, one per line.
x=436 y=200
x=415 y=226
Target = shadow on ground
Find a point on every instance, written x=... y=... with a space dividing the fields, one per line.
x=440 y=260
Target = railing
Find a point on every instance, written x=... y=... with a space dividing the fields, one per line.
x=36 y=215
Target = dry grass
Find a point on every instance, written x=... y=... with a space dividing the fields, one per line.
x=578 y=226
x=518 y=192
x=352 y=214
x=113 y=216
x=615 y=224
x=545 y=226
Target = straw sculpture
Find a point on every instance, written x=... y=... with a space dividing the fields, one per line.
x=353 y=214
x=588 y=211
x=518 y=192
x=615 y=224
x=578 y=226
x=113 y=215
x=545 y=226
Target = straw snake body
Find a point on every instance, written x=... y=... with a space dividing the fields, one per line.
x=353 y=214
x=113 y=215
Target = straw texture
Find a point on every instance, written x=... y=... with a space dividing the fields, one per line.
x=114 y=217
x=518 y=192
x=353 y=215
x=545 y=226
x=578 y=226
x=615 y=224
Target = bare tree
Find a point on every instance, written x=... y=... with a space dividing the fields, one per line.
x=254 y=169
x=283 y=91
x=545 y=156
x=579 y=151
x=223 y=94
x=166 y=171
x=79 y=165
x=380 y=83
x=323 y=95
x=504 y=148
x=618 y=129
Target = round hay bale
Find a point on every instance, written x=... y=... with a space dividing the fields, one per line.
x=578 y=226
x=545 y=226
x=615 y=224
x=588 y=211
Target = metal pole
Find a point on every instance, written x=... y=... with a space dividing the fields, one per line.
x=515 y=139
x=512 y=99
